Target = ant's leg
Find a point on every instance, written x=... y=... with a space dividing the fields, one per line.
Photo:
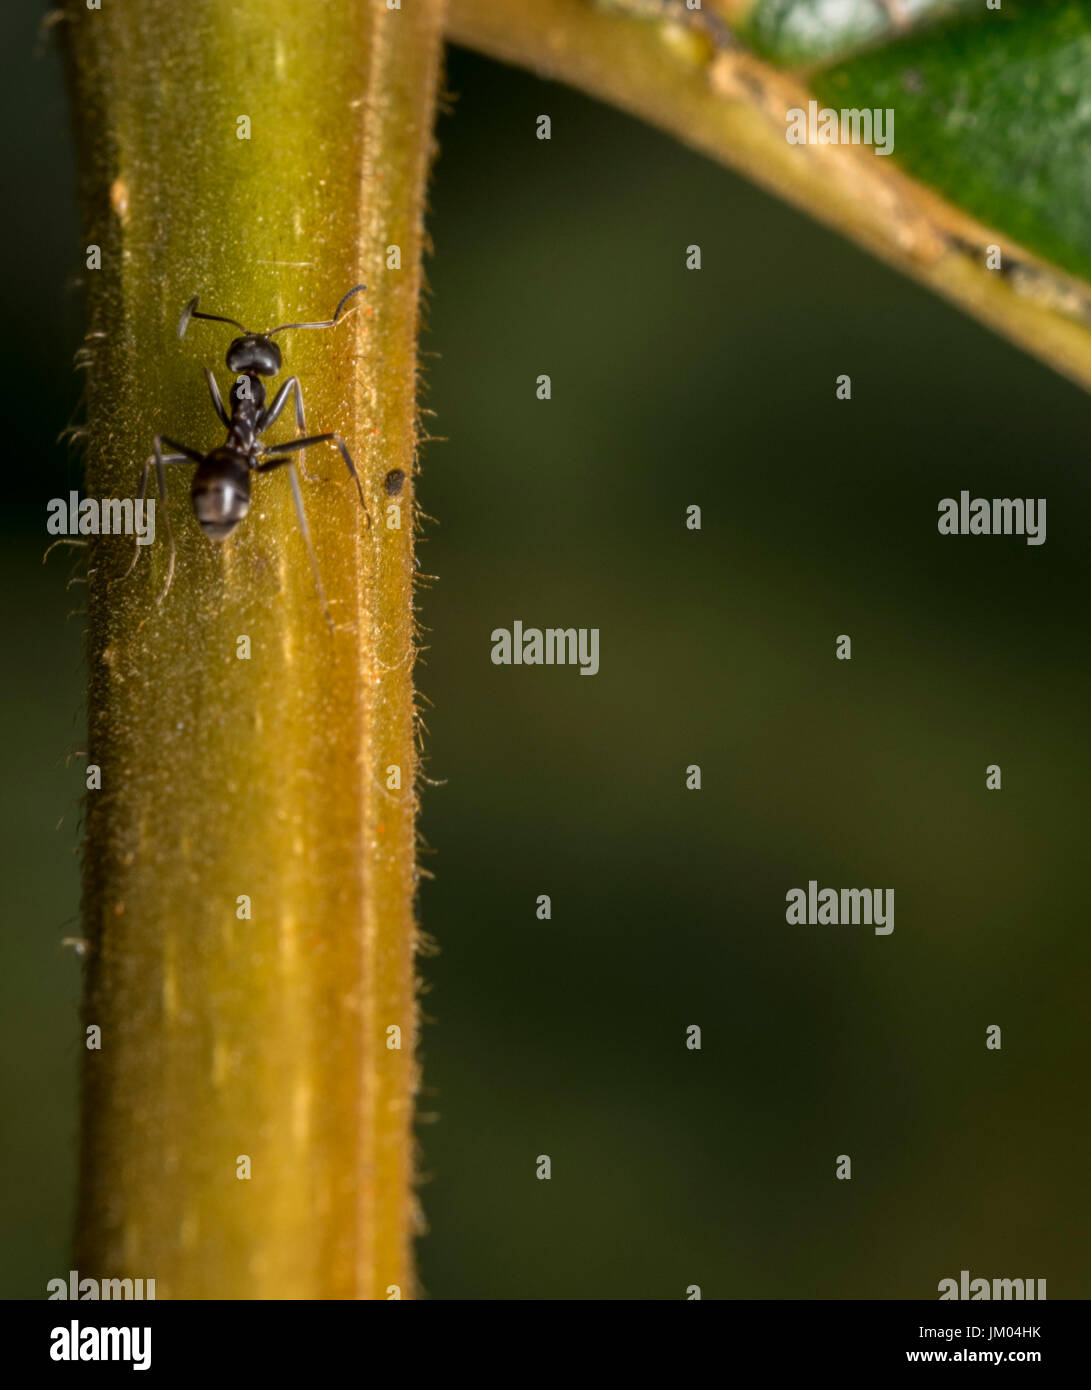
x=179 y=449
x=159 y=459
x=297 y=495
x=272 y=414
x=217 y=399
x=294 y=444
x=182 y=454
x=137 y=547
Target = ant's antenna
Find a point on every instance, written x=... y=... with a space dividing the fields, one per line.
x=190 y=312
x=325 y=323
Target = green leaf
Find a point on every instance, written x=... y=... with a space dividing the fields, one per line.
x=994 y=113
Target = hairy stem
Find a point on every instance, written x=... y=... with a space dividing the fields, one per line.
x=250 y=858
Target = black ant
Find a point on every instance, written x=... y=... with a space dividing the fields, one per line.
x=220 y=491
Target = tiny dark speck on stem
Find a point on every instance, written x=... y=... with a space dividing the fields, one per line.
x=393 y=481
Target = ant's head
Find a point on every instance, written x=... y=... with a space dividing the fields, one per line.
x=253 y=353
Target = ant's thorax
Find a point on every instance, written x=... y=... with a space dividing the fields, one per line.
x=247 y=404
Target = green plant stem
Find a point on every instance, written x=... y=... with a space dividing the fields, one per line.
x=731 y=105
x=265 y=780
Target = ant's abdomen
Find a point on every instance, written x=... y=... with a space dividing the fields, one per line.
x=221 y=493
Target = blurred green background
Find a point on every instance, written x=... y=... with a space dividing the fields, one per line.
x=566 y=1038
